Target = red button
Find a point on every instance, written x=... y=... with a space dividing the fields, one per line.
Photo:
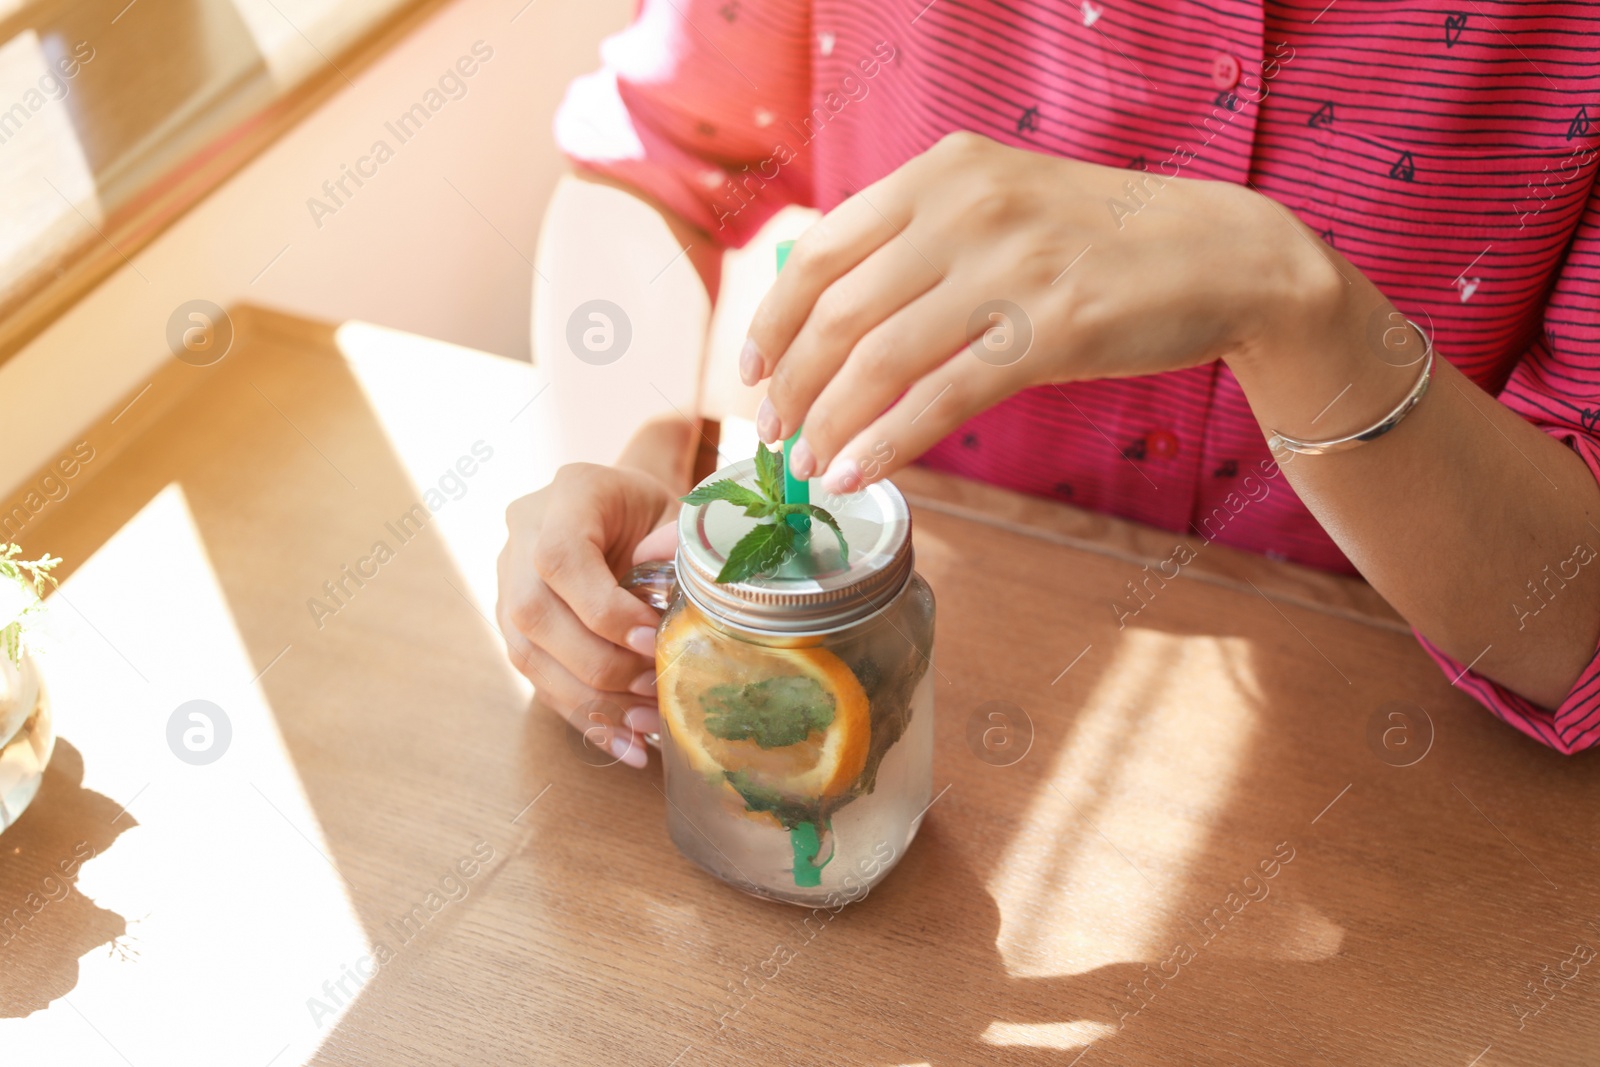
x=1161 y=443
x=1224 y=71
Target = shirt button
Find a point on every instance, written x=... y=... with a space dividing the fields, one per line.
x=1224 y=71
x=1161 y=443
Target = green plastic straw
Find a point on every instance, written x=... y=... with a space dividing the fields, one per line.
x=806 y=844
x=795 y=490
x=803 y=838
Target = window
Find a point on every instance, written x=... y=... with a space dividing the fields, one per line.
x=116 y=115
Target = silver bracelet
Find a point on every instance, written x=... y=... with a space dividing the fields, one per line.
x=1341 y=444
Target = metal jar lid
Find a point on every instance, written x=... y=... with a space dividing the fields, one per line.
x=814 y=590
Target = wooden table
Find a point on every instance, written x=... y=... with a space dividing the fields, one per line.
x=1103 y=899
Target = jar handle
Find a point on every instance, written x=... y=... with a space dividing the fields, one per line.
x=655 y=581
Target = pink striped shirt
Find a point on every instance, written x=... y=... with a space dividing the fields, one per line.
x=1448 y=151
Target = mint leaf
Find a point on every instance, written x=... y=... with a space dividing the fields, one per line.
x=769 y=472
x=766 y=546
x=758 y=551
x=774 y=712
x=790 y=811
x=823 y=517
x=725 y=489
x=757 y=797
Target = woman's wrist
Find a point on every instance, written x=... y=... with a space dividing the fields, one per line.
x=1330 y=355
x=663 y=448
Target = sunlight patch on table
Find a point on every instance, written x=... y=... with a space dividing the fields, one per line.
x=435 y=402
x=1093 y=875
x=1066 y=1036
x=235 y=914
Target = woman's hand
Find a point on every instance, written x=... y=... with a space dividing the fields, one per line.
x=587 y=644
x=977 y=270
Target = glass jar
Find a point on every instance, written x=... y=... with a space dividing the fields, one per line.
x=27 y=736
x=797 y=706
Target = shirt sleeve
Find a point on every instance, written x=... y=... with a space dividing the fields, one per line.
x=1556 y=387
x=690 y=107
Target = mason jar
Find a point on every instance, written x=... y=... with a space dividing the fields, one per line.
x=796 y=706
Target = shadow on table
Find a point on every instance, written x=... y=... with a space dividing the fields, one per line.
x=46 y=924
x=949 y=1000
x=921 y=957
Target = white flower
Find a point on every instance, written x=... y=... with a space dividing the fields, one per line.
x=15 y=598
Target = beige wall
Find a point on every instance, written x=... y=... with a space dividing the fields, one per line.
x=438 y=242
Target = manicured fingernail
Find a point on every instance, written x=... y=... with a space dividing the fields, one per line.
x=843 y=476
x=644 y=685
x=767 y=424
x=643 y=720
x=802 y=464
x=642 y=639
x=750 y=362
x=629 y=751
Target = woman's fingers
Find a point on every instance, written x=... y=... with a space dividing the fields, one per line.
x=603 y=718
x=563 y=613
x=832 y=247
x=553 y=626
x=939 y=402
x=887 y=361
x=847 y=314
x=660 y=543
x=575 y=568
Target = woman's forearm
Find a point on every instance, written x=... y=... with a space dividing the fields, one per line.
x=622 y=297
x=704 y=255
x=1459 y=514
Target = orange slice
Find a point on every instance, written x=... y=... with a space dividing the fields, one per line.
x=696 y=664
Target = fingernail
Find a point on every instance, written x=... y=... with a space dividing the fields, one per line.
x=643 y=720
x=767 y=425
x=750 y=362
x=642 y=639
x=629 y=751
x=802 y=464
x=843 y=476
x=644 y=685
